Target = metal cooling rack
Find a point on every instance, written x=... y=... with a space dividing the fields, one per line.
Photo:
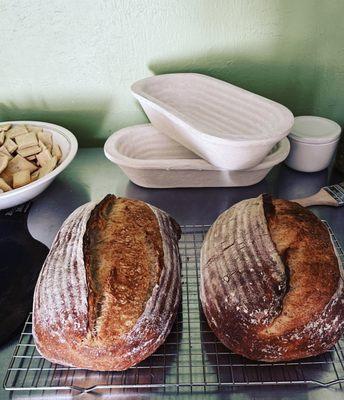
x=337 y=192
x=191 y=360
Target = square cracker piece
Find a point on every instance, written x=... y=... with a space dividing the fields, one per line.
x=33 y=128
x=21 y=178
x=5 y=127
x=4 y=186
x=5 y=152
x=27 y=140
x=29 y=152
x=44 y=156
x=47 y=167
x=18 y=163
x=15 y=131
x=46 y=138
x=10 y=145
x=56 y=151
x=35 y=176
x=3 y=162
x=7 y=177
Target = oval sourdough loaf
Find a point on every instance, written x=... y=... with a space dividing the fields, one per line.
x=109 y=290
x=271 y=282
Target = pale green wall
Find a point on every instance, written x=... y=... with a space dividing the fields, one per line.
x=72 y=61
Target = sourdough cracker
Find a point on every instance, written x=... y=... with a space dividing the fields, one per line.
x=20 y=163
x=16 y=130
x=44 y=156
x=5 y=127
x=5 y=152
x=34 y=176
x=3 y=162
x=46 y=139
x=4 y=186
x=27 y=153
x=48 y=167
x=21 y=178
x=10 y=145
x=26 y=140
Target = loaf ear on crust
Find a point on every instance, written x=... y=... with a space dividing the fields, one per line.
x=271 y=288
x=268 y=205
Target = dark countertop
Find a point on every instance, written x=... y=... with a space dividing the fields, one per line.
x=91 y=176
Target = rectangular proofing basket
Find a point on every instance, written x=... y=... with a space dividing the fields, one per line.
x=151 y=159
x=228 y=126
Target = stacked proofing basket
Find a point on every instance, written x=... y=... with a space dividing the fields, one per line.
x=203 y=132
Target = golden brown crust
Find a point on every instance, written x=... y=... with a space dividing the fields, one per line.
x=116 y=306
x=123 y=260
x=271 y=286
x=304 y=244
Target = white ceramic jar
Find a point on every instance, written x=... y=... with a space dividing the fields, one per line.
x=313 y=142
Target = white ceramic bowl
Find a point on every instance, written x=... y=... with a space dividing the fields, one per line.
x=227 y=126
x=69 y=146
x=152 y=159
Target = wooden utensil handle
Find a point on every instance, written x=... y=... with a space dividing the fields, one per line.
x=322 y=198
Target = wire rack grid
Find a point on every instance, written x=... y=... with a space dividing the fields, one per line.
x=337 y=192
x=191 y=360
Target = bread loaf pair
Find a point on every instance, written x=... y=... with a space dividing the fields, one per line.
x=109 y=290
x=108 y=293
x=271 y=281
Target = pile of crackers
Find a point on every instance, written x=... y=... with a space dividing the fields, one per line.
x=27 y=153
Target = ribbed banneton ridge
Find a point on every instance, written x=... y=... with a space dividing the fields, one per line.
x=61 y=314
x=251 y=285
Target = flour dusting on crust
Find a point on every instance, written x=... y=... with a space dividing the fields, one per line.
x=60 y=311
x=60 y=299
x=245 y=284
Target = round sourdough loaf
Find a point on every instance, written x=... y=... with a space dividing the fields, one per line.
x=109 y=290
x=271 y=281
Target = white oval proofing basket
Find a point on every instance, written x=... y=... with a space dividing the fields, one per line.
x=152 y=159
x=228 y=126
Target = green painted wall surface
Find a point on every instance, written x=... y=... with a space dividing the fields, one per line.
x=72 y=62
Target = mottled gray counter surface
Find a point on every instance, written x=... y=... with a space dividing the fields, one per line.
x=91 y=176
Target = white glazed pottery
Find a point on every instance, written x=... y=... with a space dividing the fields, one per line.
x=313 y=143
x=152 y=159
x=228 y=126
x=69 y=146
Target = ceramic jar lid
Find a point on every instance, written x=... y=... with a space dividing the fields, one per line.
x=316 y=130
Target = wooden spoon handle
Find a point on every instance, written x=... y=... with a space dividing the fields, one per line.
x=322 y=198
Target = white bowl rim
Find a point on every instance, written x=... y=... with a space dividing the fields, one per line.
x=71 y=154
x=110 y=149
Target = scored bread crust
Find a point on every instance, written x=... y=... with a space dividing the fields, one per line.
x=76 y=325
x=271 y=284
